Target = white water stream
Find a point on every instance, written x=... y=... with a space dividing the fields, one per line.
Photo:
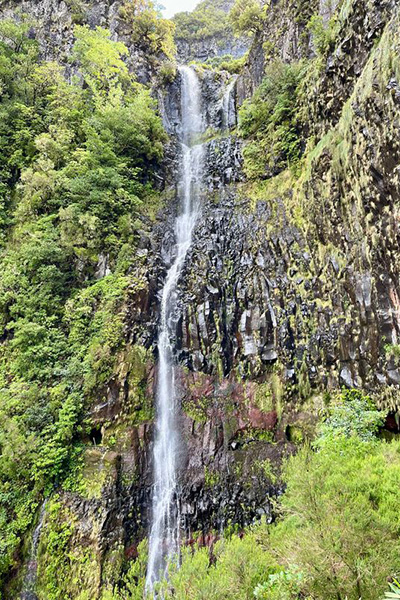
x=228 y=106
x=165 y=527
x=29 y=583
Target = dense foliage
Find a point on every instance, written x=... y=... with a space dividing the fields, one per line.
x=77 y=163
x=247 y=16
x=269 y=122
x=149 y=30
x=207 y=20
x=337 y=534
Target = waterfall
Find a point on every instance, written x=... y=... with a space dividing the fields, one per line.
x=228 y=106
x=29 y=584
x=165 y=527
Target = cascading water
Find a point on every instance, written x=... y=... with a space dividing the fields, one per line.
x=164 y=534
x=29 y=583
x=228 y=106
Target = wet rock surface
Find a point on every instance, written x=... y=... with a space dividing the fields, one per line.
x=204 y=49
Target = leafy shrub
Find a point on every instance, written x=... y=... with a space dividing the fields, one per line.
x=207 y=20
x=99 y=57
x=269 y=121
x=282 y=585
x=353 y=415
x=227 y=63
x=247 y=17
x=340 y=524
x=150 y=31
x=337 y=535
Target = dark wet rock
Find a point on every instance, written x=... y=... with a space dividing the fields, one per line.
x=207 y=47
x=212 y=47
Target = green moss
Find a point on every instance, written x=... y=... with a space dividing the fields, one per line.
x=71 y=565
x=263 y=397
x=64 y=570
x=196 y=405
x=99 y=469
x=295 y=434
x=253 y=434
x=112 y=565
x=196 y=409
x=265 y=469
x=324 y=34
x=263 y=436
x=134 y=365
x=211 y=477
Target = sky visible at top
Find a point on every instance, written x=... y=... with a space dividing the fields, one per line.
x=174 y=6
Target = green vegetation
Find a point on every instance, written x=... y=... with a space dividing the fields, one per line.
x=394 y=590
x=353 y=415
x=77 y=164
x=324 y=36
x=76 y=175
x=248 y=16
x=269 y=122
x=337 y=534
x=149 y=30
x=339 y=525
x=226 y=63
x=62 y=564
x=207 y=20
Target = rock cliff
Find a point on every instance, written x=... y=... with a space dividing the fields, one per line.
x=288 y=293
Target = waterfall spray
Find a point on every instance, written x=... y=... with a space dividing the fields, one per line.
x=164 y=534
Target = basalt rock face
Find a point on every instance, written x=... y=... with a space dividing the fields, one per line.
x=206 y=47
x=314 y=294
x=285 y=37
x=300 y=289
x=348 y=59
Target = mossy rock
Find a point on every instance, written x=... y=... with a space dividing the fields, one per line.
x=66 y=569
x=99 y=471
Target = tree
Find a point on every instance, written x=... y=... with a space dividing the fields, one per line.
x=207 y=20
x=247 y=17
x=76 y=169
x=149 y=30
x=99 y=57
